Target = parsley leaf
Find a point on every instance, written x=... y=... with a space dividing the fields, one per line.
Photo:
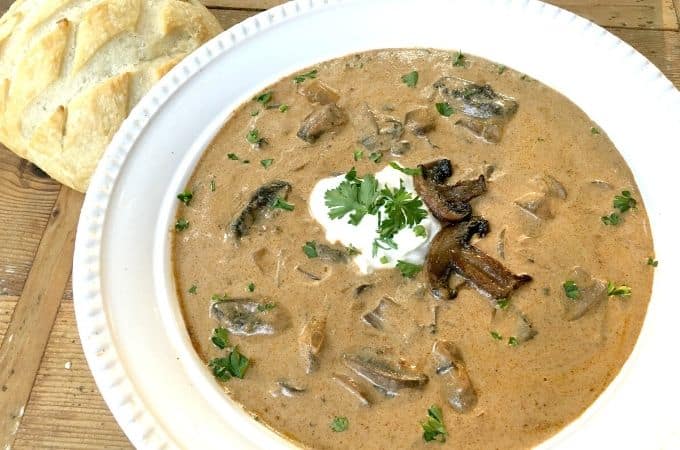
x=192 y=289
x=220 y=338
x=282 y=204
x=512 y=341
x=384 y=259
x=444 y=109
x=339 y=424
x=283 y=107
x=181 y=224
x=232 y=156
x=266 y=162
x=251 y=287
x=420 y=231
x=459 y=59
x=502 y=303
x=652 y=262
x=355 y=196
x=352 y=250
x=305 y=76
x=358 y=154
x=594 y=130
x=406 y=170
x=185 y=197
x=496 y=335
x=500 y=69
x=309 y=249
x=375 y=157
x=254 y=137
x=618 y=291
x=624 y=202
x=234 y=365
x=213 y=186
x=407 y=269
x=402 y=210
x=266 y=307
x=433 y=427
x=571 y=290
x=612 y=219
x=263 y=98
x=410 y=79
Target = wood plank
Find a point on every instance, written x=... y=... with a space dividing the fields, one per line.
x=7 y=304
x=26 y=199
x=661 y=47
x=25 y=340
x=644 y=14
x=230 y=17
x=66 y=409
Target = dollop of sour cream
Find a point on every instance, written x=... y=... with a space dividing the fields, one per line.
x=410 y=247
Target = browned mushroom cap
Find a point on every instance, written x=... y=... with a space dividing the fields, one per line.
x=320 y=121
x=316 y=91
x=448 y=203
x=451 y=252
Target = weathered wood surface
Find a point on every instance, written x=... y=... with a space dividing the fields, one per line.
x=65 y=409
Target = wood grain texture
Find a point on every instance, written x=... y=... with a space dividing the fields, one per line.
x=661 y=47
x=644 y=14
x=26 y=337
x=66 y=410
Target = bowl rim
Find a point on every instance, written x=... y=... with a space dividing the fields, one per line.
x=99 y=339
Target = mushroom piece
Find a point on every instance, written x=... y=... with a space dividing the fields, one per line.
x=420 y=121
x=353 y=388
x=385 y=375
x=359 y=290
x=451 y=252
x=378 y=315
x=311 y=341
x=591 y=292
x=511 y=323
x=379 y=132
x=260 y=206
x=456 y=387
x=536 y=204
x=246 y=317
x=287 y=389
x=485 y=112
x=321 y=120
x=448 y=203
x=316 y=91
x=328 y=253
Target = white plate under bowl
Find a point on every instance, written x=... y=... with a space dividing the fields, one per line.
x=128 y=317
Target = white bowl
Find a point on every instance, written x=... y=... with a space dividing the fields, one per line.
x=128 y=315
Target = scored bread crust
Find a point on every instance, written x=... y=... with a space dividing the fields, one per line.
x=71 y=71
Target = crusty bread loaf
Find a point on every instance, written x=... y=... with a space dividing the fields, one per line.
x=71 y=70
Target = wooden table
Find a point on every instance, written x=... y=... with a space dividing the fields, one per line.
x=48 y=398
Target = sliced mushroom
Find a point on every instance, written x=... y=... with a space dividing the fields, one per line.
x=591 y=292
x=378 y=132
x=420 y=121
x=451 y=252
x=385 y=375
x=485 y=111
x=359 y=290
x=448 y=203
x=456 y=387
x=511 y=323
x=308 y=274
x=321 y=120
x=400 y=148
x=551 y=186
x=316 y=91
x=536 y=204
x=311 y=342
x=331 y=254
x=287 y=389
x=259 y=207
x=353 y=388
x=246 y=317
x=378 y=315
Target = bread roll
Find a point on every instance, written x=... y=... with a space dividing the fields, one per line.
x=71 y=70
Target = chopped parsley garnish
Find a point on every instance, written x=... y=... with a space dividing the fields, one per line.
x=652 y=262
x=232 y=156
x=459 y=59
x=282 y=204
x=375 y=157
x=181 y=224
x=266 y=307
x=512 y=341
x=433 y=427
x=309 y=249
x=219 y=298
x=420 y=231
x=384 y=259
x=571 y=290
x=502 y=303
x=624 y=202
x=406 y=170
x=618 y=291
x=185 y=197
x=253 y=137
x=500 y=69
x=355 y=196
x=444 y=109
x=410 y=79
x=213 y=186
x=192 y=289
x=305 y=76
x=496 y=335
x=263 y=98
x=402 y=210
x=251 y=287
x=612 y=219
x=283 y=107
x=358 y=154
x=234 y=365
x=407 y=269
x=594 y=130
x=266 y=162
x=339 y=424
x=254 y=113
x=220 y=338
x=352 y=250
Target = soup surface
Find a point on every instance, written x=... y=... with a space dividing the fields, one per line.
x=525 y=307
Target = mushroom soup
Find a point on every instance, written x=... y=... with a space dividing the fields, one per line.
x=404 y=247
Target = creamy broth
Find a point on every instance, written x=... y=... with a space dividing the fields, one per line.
x=550 y=179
